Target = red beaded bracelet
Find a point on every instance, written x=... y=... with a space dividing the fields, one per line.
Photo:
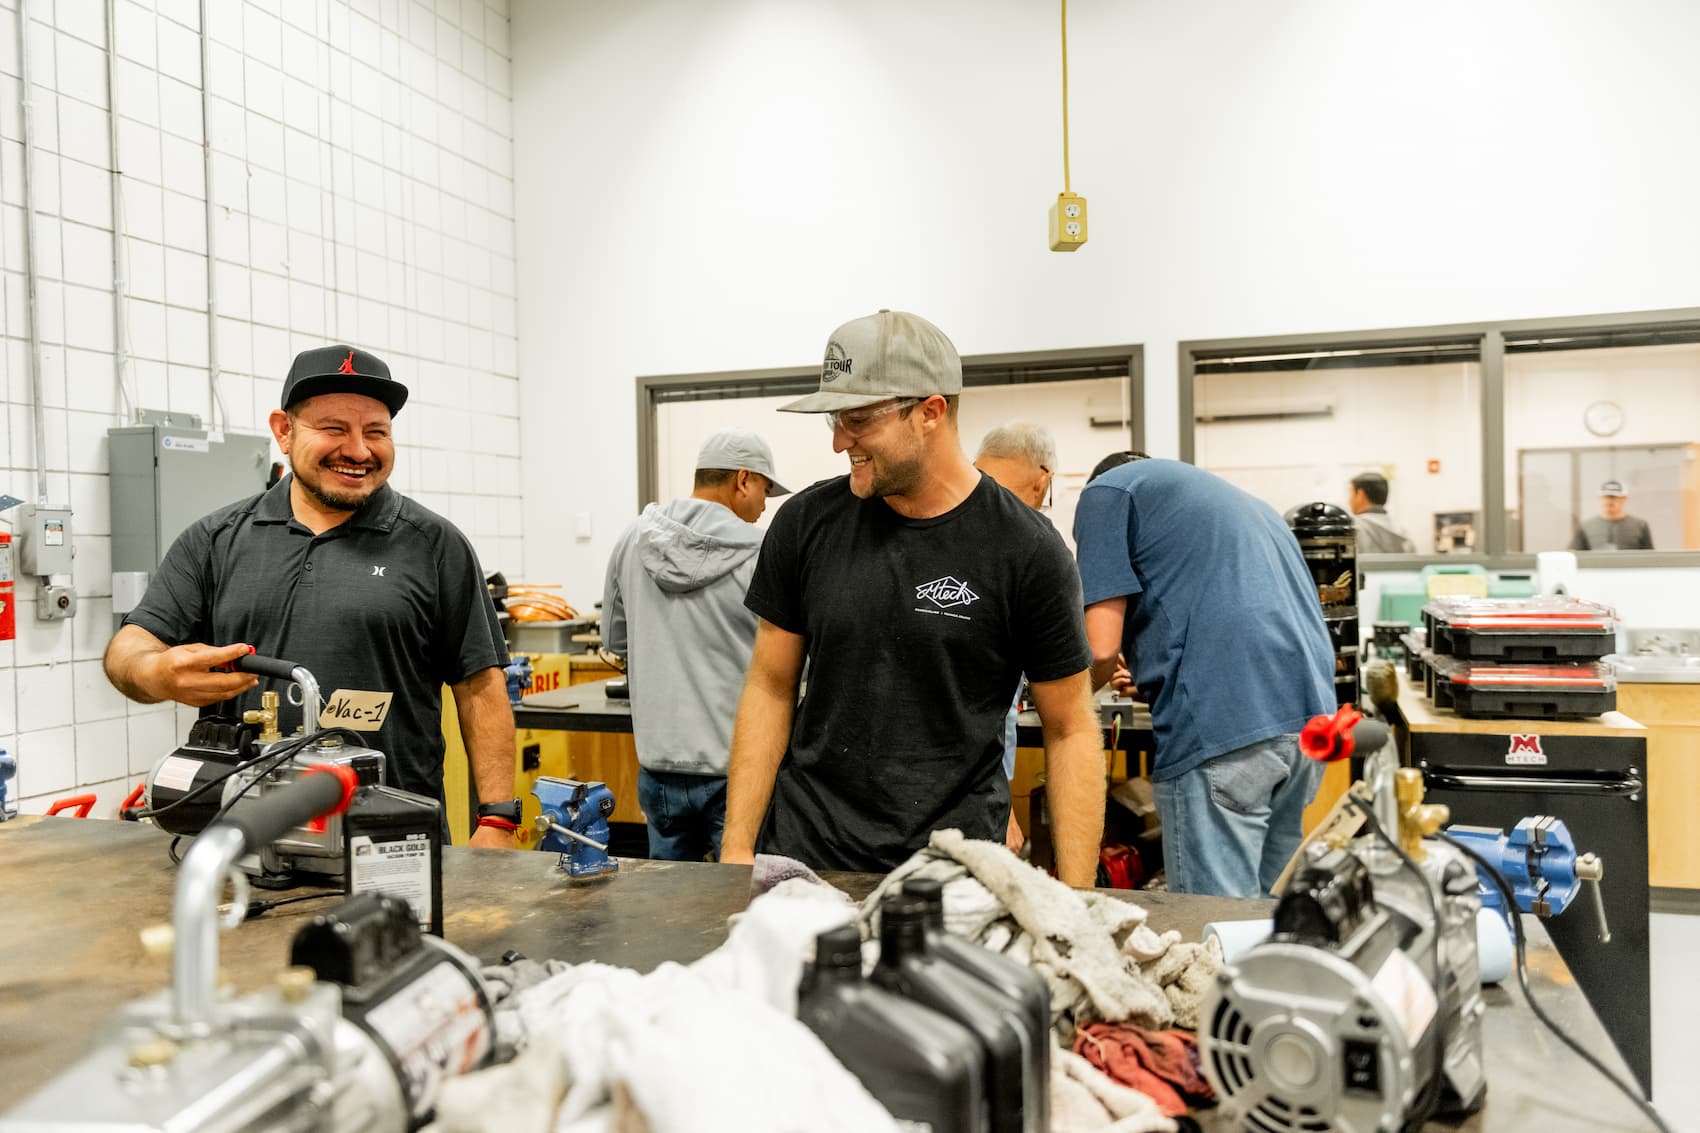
x=498 y=823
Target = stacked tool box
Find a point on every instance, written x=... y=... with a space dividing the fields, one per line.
x=1329 y=544
x=1518 y=658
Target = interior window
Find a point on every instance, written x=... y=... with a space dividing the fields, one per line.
x=1296 y=427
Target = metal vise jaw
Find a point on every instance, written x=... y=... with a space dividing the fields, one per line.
x=574 y=824
x=1539 y=860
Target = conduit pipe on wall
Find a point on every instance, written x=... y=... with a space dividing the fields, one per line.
x=30 y=274
x=220 y=416
x=120 y=253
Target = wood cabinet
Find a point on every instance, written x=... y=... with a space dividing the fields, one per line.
x=1671 y=714
x=608 y=757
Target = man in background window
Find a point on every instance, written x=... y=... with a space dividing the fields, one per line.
x=1022 y=458
x=1613 y=529
x=673 y=606
x=1378 y=534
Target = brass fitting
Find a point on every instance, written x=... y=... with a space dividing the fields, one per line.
x=294 y=983
x=266 y=717
x=150 y=1053
x=1417 y=820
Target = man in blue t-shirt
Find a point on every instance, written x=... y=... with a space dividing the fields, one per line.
x=1204 y=590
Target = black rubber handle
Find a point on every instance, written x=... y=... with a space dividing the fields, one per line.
x=277 y=812
x=267 y=666
x=1368 y=737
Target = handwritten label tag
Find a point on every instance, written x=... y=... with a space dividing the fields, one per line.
x=356 y=709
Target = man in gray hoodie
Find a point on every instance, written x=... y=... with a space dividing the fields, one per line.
x=673 y=607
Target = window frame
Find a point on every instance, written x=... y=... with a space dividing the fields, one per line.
x=1490 y=339
x=978 y=370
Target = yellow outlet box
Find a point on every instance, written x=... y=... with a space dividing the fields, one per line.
x=1068 y=222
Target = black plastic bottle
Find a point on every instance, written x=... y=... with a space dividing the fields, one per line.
x=922 y=1067
x=913 y=970
x=1015 y=980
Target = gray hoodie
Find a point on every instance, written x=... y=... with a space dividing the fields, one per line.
x=673 y=606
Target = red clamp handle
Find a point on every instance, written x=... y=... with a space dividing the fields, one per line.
x=132 y=802
x=83 y=803
x=350 y=782
x=1328 y=739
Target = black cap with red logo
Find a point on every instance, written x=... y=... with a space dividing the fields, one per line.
x=342 y=369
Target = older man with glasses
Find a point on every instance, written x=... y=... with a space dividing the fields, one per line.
x=1021 y=457
x=917 y=591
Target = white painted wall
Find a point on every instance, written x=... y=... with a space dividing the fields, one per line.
x=363 y=182
x=715 y=186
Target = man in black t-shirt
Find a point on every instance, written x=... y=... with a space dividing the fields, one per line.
x=918 y=592
x=335 y=570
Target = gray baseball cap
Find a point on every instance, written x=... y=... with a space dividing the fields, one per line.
x=733 y=449
x=879 y=357
x=1613 y=488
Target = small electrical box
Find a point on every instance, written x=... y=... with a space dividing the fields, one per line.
x=1068 y=222
x=44 y=540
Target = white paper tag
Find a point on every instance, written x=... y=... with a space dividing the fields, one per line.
x=1404 y=988
x=176 y=772
x=355 y=708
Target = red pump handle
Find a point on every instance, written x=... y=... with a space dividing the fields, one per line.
x=1328 y=739
x=82 y=803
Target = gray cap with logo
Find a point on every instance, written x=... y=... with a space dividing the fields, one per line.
x=1613 y=488
x=879 y=357
x=734 y=449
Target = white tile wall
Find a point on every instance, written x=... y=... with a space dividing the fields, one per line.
x=362 y=192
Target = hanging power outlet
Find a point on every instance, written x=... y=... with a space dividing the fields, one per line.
x=1068 y=222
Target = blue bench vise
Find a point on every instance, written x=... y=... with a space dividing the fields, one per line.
x=574 y=824
x=1538 y=859
x=518 y=674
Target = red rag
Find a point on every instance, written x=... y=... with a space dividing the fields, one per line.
x=1162 y=1065
x=1122 y=1055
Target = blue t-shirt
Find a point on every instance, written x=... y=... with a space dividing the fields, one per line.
x=1224 y=632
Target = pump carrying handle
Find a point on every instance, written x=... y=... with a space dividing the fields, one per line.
x=321 y=788
x=266 y=666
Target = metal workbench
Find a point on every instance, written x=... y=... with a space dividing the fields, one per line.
x=74 y=893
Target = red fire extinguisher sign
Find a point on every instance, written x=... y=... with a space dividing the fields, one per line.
x=8 y=588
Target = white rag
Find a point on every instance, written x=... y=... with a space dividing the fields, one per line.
x=707 y=1048
x=1100 y=958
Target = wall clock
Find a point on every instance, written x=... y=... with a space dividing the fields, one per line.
x=1603 y=418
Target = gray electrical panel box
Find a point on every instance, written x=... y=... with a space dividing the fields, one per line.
x=168 y=474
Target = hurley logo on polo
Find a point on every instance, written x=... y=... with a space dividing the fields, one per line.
x=378 y=571
x=946 y=592
x=835 y=364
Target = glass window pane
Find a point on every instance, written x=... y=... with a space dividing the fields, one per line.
x=1291 y=436
x=1601 y=448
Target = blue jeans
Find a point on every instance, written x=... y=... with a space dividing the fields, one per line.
x=686 y=813
x=1231 y=824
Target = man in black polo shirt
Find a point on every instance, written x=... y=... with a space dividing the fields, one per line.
x=333 y=569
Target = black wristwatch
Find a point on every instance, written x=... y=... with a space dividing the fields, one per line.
x=508 y=811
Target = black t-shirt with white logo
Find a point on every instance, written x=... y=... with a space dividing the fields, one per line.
x=917 y=632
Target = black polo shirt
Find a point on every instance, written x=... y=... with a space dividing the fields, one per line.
x=393 y=600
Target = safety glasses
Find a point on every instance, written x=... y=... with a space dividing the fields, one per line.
x=855 y=422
